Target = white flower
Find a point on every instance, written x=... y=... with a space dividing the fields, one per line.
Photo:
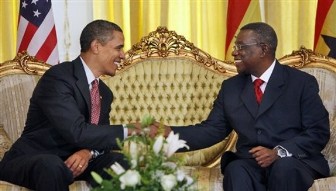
x=130 y=178
x=134 y=153
x=168 y=182
x=170 y=165
x=180 y=175
x=189 y=180
x=158 y=174
x=117 y=168
x=158 y=144
x=173 y=144
x=133 y=149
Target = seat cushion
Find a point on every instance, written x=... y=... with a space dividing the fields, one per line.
x=327 y=84
x=76 y=186
x=5 y=142
x=207 y=178
x=324 y=184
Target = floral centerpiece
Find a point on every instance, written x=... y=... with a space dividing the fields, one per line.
x=152 y=164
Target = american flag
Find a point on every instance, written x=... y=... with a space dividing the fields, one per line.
x=36 y=30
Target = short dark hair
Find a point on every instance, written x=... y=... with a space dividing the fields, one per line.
x=100 y=30
x=265 y=34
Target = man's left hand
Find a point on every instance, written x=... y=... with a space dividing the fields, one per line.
x=78 y=161
x=264 y=156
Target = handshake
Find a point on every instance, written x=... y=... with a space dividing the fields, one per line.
x=150 y=127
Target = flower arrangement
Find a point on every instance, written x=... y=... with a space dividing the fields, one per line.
x=152 y=164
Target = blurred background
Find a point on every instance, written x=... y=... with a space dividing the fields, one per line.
x=210 y=24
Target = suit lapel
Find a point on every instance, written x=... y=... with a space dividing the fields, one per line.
x=82 y=83
x=103 y=91
x=248 y=97
x=273 y=89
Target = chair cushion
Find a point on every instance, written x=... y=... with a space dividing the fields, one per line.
x=76 y=186
x=15 y=93
x=324 y=184
x=5 y=143
x=207 y=178
x=327 y=84
x=176 y=91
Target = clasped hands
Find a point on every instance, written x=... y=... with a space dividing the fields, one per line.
x=154 y=129
x=264 y=156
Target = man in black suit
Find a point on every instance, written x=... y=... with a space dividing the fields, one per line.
x=280 y=139
x=60 y=142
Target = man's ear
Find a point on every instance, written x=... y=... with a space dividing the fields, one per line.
x=95 y=46
x=264 y=49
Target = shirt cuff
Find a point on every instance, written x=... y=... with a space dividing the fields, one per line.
x=125 y=131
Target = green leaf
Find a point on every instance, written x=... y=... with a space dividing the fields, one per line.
x=147 y=120
x=97 y=177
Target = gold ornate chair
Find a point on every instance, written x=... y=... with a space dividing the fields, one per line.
x=18 y=78
x=324 y=69
x=170 y=78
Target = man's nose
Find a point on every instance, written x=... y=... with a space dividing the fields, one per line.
x=234 y=52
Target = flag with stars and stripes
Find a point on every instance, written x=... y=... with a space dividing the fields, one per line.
x=36 y=30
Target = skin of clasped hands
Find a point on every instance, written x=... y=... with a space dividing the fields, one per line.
x=264 y=156
x=159 y=128
x=154 y=129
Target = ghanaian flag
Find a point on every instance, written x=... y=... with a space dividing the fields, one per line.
x=325 y=28
x=240 y=12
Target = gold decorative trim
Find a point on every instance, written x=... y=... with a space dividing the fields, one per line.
x=163 y=43
x=304 y=58
x=23 y=64
x=229 y=146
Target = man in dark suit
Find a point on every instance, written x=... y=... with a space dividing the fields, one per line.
x=61 y=141
x=282 y=128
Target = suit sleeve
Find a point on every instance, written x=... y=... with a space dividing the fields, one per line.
x=315 y=123
x=65 y=110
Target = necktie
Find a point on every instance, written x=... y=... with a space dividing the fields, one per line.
x=95 y=102
x=257 y=83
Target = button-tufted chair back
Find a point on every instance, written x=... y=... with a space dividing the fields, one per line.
x=166 y=76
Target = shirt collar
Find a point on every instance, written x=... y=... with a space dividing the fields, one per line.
x=266 y=75
x=89 y=74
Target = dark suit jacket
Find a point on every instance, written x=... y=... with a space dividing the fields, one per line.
x=291 y=114
x=59 y=113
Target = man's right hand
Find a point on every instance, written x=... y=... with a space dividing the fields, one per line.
x=157 y=128
x=135 y=130
x=154 y=129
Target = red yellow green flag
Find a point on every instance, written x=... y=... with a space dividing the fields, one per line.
x=325 y=28
x=240 y=12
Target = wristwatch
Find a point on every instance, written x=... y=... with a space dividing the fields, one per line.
x=94 y=154
x=281 y=152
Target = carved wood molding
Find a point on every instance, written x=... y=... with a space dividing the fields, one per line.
x=307 y=58
x=23 y=64
x=163 y=43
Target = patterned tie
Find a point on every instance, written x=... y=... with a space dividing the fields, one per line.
x=95 y=102
x=257 y=83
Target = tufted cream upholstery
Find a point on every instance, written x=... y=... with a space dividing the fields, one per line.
x=166 y=76
x=18 y=78
x=174 y=91
x=324 y=69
